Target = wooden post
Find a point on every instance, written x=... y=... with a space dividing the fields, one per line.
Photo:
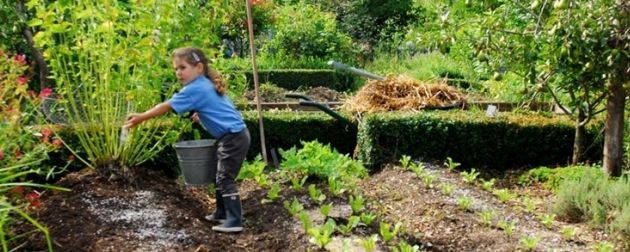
x=252 y=48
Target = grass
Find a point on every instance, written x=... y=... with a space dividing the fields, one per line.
x=422 y=67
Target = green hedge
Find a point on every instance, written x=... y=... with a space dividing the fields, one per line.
x=285 y=129
x=507 y=141
x=292 y=79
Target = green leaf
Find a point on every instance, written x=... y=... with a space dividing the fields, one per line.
x=35 y=22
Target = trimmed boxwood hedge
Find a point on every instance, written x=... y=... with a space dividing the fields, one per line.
x=292 y=79
x=285 y=129
x=507 y=141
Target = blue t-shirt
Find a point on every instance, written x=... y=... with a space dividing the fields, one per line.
x=216 y=112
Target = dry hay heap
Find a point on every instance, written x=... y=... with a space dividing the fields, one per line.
x=403 y=94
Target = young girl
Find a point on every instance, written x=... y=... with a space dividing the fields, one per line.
x=203 y=92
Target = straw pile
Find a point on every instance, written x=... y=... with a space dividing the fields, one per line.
x=403 y=94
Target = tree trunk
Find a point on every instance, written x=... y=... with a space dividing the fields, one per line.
x=613 y=141
x=578 y=141
x=37 y=53
x=39 y=58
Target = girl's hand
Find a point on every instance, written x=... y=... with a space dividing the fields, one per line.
x=133 y=120
x=195 y=117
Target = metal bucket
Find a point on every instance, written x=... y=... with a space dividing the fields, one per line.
x=197 y=161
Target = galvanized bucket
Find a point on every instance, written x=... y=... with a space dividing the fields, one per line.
x=197 y=161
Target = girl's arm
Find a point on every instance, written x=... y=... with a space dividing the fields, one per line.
x=136 y=118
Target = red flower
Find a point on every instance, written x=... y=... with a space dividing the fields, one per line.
x=22 y=80
x=57 y=142
x=46 y=92
x=34 y=204
x=20 y=59
x=46 y=133
x=32 y=196
x=1 y=155
x=18 y=154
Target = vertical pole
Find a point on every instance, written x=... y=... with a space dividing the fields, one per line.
x=252 y=48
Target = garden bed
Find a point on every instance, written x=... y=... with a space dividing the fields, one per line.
x=153 y=212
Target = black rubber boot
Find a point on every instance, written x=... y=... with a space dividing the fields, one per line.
x=219 y=213
x=234 y=221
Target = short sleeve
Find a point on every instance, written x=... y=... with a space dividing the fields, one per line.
x=181 y=102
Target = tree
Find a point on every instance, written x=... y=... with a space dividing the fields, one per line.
x=592 y=37
x=17 y=34
x=578 y=49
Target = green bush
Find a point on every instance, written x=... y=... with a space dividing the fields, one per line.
x=321 y=161
x=374 y=20
x=305 y=31
x=596 y=198
x=552 y=177
x=508 y=140
x=579 y=200
x=285 y=129
x=293 y=79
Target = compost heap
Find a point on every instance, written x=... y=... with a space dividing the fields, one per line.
x=403 y=93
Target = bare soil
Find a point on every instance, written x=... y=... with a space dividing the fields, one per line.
x=276 y=94
x=156 y=213
x=153 y=212
x=441 y=224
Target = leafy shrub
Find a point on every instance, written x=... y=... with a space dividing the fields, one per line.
x=322 y=161
x=552 y=177
x=94 y=55
x=374 y=20
x=305 y=31
x=234 y=23
x=580 y=199
x=596 y=198
x=23 y=148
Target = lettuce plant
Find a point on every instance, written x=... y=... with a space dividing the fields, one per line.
x=369 y=244
x=357 y=203
x=324 y=209
x=386 y=231
x=322 y=235
x=315 y=194
x=367 y=218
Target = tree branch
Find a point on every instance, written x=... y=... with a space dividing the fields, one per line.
x=540 y=18
x=37 y=53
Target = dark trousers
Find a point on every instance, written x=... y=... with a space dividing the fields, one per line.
x=231 y=151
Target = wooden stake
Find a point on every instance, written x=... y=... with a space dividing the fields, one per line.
x=250 y=28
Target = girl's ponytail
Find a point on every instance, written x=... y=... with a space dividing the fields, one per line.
x=216 y=78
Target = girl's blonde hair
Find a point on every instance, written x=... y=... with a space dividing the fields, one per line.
x=194 y=56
